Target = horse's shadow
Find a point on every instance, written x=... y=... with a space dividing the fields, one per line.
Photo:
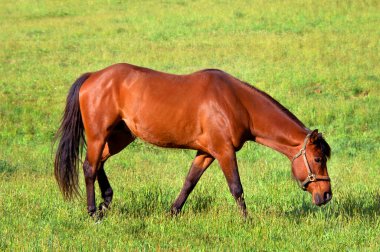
x=7 y=168
x=150 y=201
x=348 y=207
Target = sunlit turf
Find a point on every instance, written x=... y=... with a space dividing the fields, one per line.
x=320 y=60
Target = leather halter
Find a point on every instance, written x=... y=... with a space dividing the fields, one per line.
x=311 y=177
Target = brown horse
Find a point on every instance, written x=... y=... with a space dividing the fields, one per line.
x=209 y=111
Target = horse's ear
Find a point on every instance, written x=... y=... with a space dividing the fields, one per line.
x=314 y=136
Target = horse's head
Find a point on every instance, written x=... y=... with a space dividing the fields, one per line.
x=309 y=167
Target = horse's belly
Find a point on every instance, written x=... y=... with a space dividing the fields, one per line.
x=164 y=132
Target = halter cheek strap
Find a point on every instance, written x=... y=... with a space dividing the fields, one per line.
x=311 y=177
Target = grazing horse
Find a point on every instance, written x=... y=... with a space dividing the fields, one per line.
x=209 y=111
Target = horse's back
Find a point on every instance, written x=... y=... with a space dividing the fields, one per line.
x=166 y=109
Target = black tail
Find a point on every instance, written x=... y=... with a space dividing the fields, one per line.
x=71 y=135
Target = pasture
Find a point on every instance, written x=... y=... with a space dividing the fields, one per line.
x=320 y=60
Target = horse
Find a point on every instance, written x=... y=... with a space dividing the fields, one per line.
x=209 y=111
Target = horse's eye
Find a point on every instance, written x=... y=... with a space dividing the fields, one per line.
x=318 y=159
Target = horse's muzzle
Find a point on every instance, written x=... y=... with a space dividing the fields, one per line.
x=320 y=200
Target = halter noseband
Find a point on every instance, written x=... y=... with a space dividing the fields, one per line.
x=311 y=177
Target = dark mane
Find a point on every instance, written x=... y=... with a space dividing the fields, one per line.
x=320 y=143
x=279 y=105
x=254 y=89
x=323 y=145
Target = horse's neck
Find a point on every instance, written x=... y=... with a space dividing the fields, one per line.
x=273 y=125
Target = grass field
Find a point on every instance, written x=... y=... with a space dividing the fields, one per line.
x=319 y=59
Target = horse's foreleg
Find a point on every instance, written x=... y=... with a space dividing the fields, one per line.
x=229 y=167
x=201 y=162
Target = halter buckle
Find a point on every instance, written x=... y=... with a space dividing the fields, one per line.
x=312 y=177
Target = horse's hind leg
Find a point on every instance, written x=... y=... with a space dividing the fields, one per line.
x=90 y=167
x=201 y=162
x=119 y=138
x=105 y=188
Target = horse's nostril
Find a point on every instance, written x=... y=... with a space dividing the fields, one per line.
x=327 y=196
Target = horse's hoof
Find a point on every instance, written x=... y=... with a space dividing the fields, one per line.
x=175 y=212
x=248 y=220
x=104 y=207
x=102 y=210
x=97 y=216
x=92 y=213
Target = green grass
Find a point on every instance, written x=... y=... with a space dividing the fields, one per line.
x=320 y=60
